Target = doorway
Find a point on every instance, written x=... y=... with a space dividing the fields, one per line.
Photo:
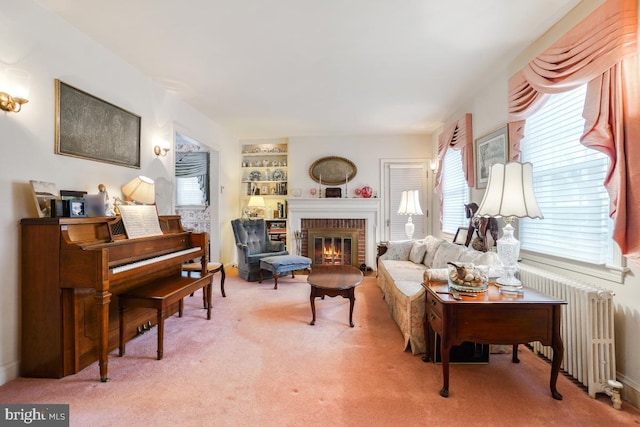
x=400 y=175
x=196 y=177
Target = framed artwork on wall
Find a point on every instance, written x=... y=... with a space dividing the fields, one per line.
x=90 y=128
x=489 y=150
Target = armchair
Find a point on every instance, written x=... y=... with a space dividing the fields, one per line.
x=253 y=244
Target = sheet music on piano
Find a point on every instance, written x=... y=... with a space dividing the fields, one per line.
x=140 y=220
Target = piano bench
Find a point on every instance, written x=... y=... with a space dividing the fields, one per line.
x=212 y=267
x=160 y=295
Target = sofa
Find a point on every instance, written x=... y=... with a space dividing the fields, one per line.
x=403 y=268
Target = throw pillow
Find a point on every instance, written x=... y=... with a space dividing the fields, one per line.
x=399 y=250
x=417 y=252
x=447 y=252
x=432 y=246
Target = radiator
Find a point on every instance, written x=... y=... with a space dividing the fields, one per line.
x=586 y=328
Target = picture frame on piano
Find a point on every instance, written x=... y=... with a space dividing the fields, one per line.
x=77 y=209
x=43 y=193
x=95 y=205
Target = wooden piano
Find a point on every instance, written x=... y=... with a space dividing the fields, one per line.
x=72 y=272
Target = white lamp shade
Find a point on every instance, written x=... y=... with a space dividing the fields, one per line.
x=140 y=189
x=256 y=202
x=410 y=203
x=510 y=192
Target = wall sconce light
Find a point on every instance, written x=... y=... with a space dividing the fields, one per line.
x=160 y=151
x=17 y=82
x=433 y=165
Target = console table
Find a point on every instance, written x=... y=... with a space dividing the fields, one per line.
x=494 y=318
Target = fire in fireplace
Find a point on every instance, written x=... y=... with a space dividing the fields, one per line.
x=330 y=246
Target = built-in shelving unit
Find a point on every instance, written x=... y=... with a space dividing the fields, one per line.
x=265 y=173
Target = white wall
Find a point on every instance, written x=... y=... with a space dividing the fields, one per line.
x=49 y=49
x=365 y=151
x=489 y=110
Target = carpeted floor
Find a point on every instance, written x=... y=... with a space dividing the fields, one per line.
x=258 y=362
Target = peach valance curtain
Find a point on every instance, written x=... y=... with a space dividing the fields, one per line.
x=601 y=52
x=458 y=136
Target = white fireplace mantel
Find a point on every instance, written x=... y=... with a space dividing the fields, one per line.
x=337 y=208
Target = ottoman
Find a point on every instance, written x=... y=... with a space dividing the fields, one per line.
x=281 y=264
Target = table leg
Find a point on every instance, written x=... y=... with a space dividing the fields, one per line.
x=445 y=352
x=558 y=354
x=352 y=301
x=514 y=354
x=313 y=305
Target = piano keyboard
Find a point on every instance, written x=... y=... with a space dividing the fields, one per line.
x=153 y=260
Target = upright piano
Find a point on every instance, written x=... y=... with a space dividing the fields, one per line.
x=72 y=272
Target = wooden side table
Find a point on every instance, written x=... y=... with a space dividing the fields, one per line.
x=493 y=318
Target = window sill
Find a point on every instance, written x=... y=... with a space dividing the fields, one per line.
x=611 y=273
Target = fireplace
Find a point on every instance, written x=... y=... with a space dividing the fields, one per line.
x=339 y=215
x=330 y=246
x=329 y=241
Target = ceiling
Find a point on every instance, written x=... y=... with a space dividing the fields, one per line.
x=273 y=68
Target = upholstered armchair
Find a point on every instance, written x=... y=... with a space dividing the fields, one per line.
x=253 y=244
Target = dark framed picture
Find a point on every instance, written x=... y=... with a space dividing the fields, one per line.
x=461 y=236
x=90 y=128
x=77 y=208
x=489 y=150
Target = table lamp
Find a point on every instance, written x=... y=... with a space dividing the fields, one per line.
x=141 y=190
x=410 y=205
x=255 y=203
x=509 y=195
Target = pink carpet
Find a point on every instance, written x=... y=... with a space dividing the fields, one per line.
x=258 y=362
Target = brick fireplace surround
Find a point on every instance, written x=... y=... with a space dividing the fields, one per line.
x=359 y=213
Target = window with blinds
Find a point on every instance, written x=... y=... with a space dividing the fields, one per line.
x=404 y=177
x=568 y=181
x=455 y=192
x=189 y=192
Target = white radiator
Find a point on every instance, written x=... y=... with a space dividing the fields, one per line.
x=586 y=328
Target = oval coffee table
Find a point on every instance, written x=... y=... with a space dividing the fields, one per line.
x=332 y=281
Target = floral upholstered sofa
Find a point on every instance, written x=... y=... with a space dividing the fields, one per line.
x=401 y=271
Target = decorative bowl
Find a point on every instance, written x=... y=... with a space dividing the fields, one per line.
x=467 y=277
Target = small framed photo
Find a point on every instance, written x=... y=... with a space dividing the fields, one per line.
x=77 y=209
x=489 y=150
x=461 y=236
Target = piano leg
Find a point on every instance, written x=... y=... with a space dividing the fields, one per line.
x=103 y=299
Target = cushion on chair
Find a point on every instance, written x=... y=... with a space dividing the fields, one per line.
x=285 y=263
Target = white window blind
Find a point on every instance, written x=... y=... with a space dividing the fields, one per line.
x=455 y=192
x=406 y=177
x=189 y=193
x=568 y=181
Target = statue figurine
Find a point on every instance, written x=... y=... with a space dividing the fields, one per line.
x=102 y=189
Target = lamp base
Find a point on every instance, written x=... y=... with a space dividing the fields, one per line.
x=409 y=228
x=508 y=280
x=508 y=252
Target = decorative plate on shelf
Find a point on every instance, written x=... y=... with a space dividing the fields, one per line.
x=255 y=175
x=278 y=175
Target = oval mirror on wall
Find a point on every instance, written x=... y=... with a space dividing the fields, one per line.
x=332 y=170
